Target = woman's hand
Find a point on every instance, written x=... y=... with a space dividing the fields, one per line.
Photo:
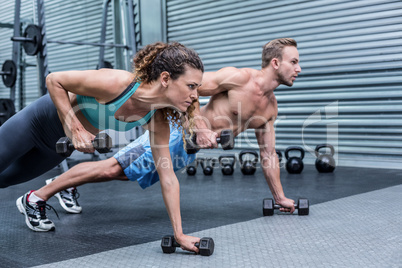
x=82 y=141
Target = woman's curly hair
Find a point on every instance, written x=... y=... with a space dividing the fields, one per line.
x=159 y=57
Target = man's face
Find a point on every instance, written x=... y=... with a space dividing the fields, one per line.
x=289 y=67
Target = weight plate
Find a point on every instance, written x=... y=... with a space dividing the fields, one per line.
x=9 y=71
x=32 y=32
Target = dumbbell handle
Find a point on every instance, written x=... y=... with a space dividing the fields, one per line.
x=177 y=245
x=279 y=206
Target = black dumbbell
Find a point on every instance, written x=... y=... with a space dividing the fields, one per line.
x=102 y=143
x=294 y=164
x=325 y=163
x=206 y=245
x=226 y=140
x=191 y=170
x=268 y=206
x=207 y=165
x=227 y=163
x=248 y=167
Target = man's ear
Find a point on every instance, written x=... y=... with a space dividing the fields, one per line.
x=275 y=63
x=165 y=78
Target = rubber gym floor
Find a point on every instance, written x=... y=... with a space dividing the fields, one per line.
x=355 y=221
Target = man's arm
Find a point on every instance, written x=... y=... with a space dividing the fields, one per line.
x=270 y=165
x=212 y=84
x=222 y=80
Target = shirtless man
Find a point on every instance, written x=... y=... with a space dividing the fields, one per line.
x=241 y=99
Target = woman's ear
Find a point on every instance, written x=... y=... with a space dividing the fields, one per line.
x=165 y=78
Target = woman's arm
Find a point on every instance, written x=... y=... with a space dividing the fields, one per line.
x=159 y=133
x=102 y=84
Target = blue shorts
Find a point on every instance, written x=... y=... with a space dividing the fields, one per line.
x=137 y=161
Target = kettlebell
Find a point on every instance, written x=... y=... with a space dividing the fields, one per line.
x=280 y=156
x=294 y=164
x=248 y=167
x=227 y=163
x=325 y=163
x=191 y=170
x=207 y=165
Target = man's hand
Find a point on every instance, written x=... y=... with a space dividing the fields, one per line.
x=287 y=204
x=187 y=242
x=206 y=139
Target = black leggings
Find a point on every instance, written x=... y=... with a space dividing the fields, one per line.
x=27 y=142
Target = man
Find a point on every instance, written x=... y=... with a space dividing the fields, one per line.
x=241 y=99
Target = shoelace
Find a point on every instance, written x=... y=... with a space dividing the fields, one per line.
x=75 y=195
x=42 y=206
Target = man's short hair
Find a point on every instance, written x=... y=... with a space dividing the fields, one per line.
x=274 y=48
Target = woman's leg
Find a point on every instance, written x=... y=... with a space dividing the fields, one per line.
x=87 y=172
x=27 y=142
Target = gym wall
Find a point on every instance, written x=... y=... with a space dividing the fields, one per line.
x=349 y=92
x=65 y=20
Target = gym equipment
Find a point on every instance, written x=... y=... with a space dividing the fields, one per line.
x=191 y=170
x=227 y=163
x=207 y=169
x=206 y=245
x=7 y=109
x=325 y=163
x=280 y=156
x=248 y=167
x=268 y=207
x=32 y=41
x=294 y=164
x=105 y=64
x=226 y=140
x=9 y=73
x=102 y=143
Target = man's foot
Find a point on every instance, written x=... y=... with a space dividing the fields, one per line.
x=68 y=199
x=35 y=214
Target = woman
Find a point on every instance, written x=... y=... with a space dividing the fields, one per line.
x=165 y=80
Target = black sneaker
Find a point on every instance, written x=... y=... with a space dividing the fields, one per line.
x=68 y=199
x=35 y=214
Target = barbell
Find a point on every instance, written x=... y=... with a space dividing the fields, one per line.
x=32 y=41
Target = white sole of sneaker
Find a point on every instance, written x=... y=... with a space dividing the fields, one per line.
x=62 y=204
x=20 y=207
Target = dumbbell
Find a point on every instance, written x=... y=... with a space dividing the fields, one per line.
x=226 y=140
x=268 y=206
x=102 y=143
x=206 y=168
x=325 y=163
x=294 y=164
x=206 y=245
x=248 y=167
x=227 y=163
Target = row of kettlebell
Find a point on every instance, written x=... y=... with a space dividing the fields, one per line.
x=324 y=163
x=227 y=162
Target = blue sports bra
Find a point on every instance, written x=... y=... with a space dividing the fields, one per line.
x=101 y=115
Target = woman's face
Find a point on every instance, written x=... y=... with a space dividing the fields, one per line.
x=183 y=91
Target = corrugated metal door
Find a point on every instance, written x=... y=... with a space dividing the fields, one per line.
x=349 y=92
x=65 y=20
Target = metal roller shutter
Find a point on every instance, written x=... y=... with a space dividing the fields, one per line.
x=65 y=20
x=349 y=92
